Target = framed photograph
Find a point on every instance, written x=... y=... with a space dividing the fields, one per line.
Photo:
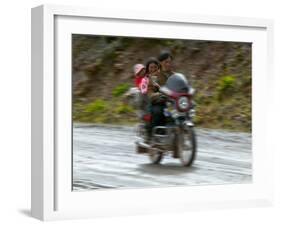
x=143 y=112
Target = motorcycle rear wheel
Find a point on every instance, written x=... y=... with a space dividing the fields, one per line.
x=187 y=146
x=155 y=157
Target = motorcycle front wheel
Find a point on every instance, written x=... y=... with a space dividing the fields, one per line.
x=187 y=146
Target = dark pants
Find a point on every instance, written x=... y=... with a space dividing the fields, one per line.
x=158 y=118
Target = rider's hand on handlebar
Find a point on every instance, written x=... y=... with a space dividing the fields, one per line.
x=162 y=98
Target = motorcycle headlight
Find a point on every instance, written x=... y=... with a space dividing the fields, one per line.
x=183 y=103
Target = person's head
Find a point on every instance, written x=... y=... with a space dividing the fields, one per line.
x=165 y=58
x=152 y=65
x=139 y=70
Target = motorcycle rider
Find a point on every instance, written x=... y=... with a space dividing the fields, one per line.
x=157 y=100
x=172 y=81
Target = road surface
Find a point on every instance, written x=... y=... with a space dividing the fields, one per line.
x=105 y=157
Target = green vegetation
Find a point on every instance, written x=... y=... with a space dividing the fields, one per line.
x=228 y=106
x=225 y=86
x=97 y=106
x=226 y=83
x=105 y=111
x=120 y=89
x=123 y=109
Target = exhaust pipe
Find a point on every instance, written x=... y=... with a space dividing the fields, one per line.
x=143 y=145
x=146 y=148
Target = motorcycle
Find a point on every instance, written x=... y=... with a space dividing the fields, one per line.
x=177 y=136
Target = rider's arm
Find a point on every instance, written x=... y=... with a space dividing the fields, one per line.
x=154 y=95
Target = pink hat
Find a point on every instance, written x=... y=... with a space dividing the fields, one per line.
x=138 y=68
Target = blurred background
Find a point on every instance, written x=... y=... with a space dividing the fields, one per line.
x=102 y=72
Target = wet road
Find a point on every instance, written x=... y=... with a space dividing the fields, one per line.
x=105 y=157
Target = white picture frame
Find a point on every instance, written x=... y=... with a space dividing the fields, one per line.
x=52 y=198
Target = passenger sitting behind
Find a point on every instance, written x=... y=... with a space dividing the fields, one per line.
x=146 y=77
x=141 y=82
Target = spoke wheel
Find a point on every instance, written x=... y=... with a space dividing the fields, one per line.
x=155 y=157
x=187 y=146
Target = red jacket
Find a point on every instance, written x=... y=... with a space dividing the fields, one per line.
x=142 y=83
x=138 y=80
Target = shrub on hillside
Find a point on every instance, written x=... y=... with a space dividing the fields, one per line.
x=98 y=105
x=226 y=86
x=120 y=89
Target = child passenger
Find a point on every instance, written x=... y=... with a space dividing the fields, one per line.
x=139 y=71
x=141 y=82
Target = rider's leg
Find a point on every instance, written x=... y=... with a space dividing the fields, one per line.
x=158 y=118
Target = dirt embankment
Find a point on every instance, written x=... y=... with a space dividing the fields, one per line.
x=219 y=71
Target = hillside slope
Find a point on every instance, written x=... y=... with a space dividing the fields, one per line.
x=219 y=71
